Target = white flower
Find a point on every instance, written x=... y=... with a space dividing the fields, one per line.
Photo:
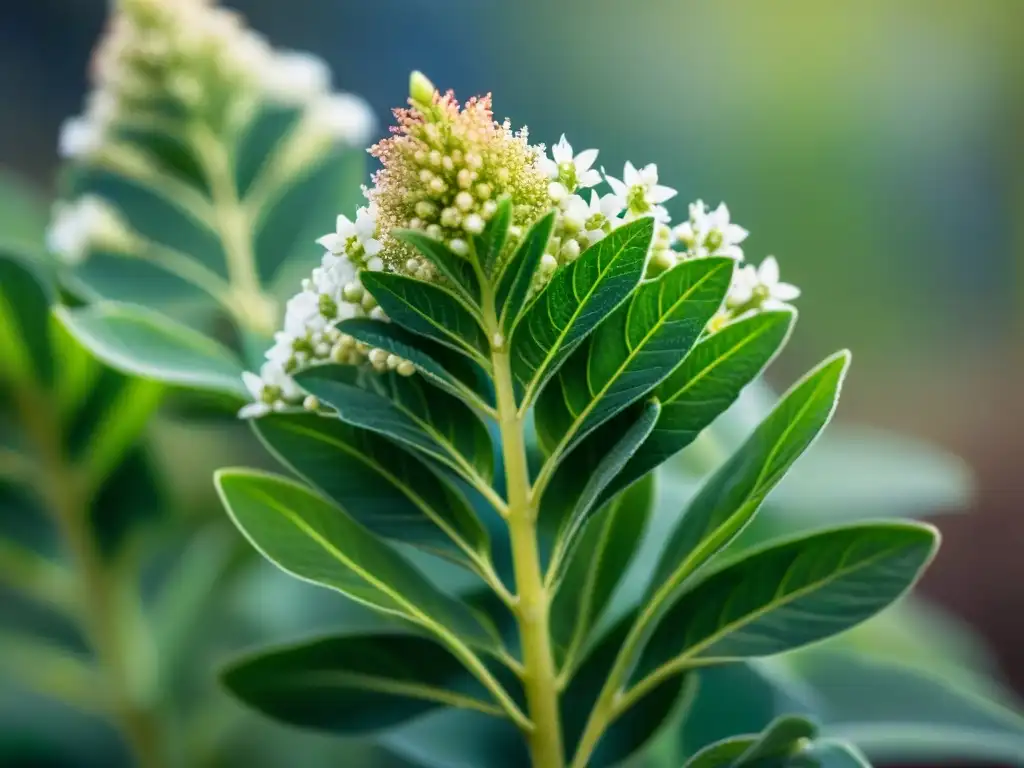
x=761 y=285
x=302 y=314
x=711 y=233
x=333 y=274
x=272 y=387
x=86 y=224
x=572 y=172
x=294 y=77
x=639 y=192
x=344 y=117
x=80 y=137
x=603 y=210
x=356 y=239
x=575 y=213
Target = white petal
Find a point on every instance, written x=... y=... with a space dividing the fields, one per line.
x=618 y=187
x=732 y=251
x=659 y=194
x=548 y=167
x=588 y=178
x=253 y=383
x=649 y=175
x=562 y=151
x=332 y=242
x=372 y=247
x=734 y=233
x=768 y=272
x=585 y=159
x=344 y=227
x=630 y=175
x=253 y=410
x=785 y=292
x=375 y=264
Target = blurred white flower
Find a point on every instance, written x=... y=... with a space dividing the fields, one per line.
x=711 y=233
x=639 y=192
x=294 y=77
x=303 y=315
x=345 y=117
x=84 y=225
x=572 y=172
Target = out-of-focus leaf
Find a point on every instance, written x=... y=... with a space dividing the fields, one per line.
x=354 y=684
x=145 y=343
x=25 y=352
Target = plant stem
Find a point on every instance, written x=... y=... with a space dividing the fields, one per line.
x=534 y=603
x=66 y=495
x=250 y=306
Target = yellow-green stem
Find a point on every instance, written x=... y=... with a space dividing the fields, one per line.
x=66 y=496
x=250 y=306
x=533 y=603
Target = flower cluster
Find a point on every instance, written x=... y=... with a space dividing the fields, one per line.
x=444 y=171
x=175 y=61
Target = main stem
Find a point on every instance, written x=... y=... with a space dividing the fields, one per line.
x=533 y=601
x=65 y=494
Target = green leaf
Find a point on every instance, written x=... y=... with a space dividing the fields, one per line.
x=25 y=298
x=831 y=754
x=150 y=345
x=783 y=738
x=413 y=413
x=633 y=730
x=408 y=346
x=316 y=541
x=632 y=351
x=901 y=715
x=709 y=380
x=789 y=594
x=578 y=297
x=381 y=485
x=729 y=499
x=452 y=266
x=355 y=684
x=595 y=569
x=428 y=310
x=519 y=272
x=569 y=502
x=491 y=242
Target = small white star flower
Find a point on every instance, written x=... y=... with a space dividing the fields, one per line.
x=356 y=239
x=303 y=314
x=572 y=171
x=761 y=286
x=711 y=233
x=639 y=192
x=271 y=389
x=333 y=274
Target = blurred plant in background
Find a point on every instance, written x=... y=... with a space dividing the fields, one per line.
x=160 y=200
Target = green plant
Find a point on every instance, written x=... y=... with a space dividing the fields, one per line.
x=610 y=353
x=474 y=389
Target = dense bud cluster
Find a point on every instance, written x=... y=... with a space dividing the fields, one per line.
x=444 y=171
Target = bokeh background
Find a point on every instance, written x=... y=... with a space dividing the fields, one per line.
x=875 y=146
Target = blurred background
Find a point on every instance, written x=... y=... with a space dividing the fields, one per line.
x=875 y=146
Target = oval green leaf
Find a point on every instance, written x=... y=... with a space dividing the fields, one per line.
x=631 y=351
x=144 y=343
x=355 y=684
x=578 y=297
x=789 y=594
